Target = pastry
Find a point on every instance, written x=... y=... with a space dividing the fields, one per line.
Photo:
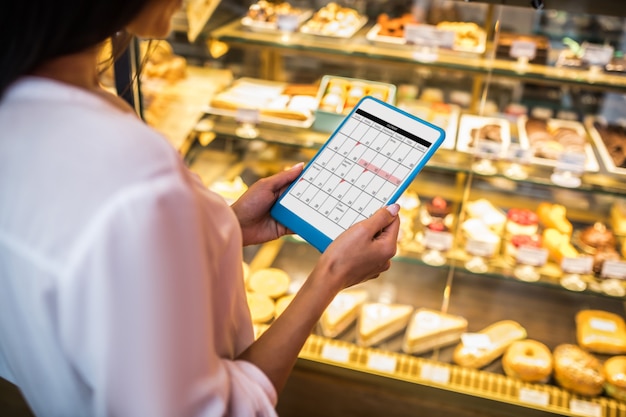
x=489 y=132
x=518 y=241
x=342 y=312
x=394 y=26
x=614 y=138
x=261 y=307
x=558 y=245
x=601 y=256
x=554 y=215
x=490 y=215
x=272 y=282
x=601 y=332
x=476 y=229
x=614 y=372
x=333 y=20
x=431 y=329
x=595 y=237
x=499 y=335
x=521 y=222
x=379 y=321
x=282 y=303
x=528 y=360
x=577 y=370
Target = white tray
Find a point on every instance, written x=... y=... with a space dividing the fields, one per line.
x=259 y=26
x=263 y=89
x=345 y=35
x=591 y=163
x=469 y=122
x=373 y=36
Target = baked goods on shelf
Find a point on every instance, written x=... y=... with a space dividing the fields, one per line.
x=430 y=329
x=379 y=321
x=613 y=139
x=614 y=371
x=160 y=62
x=342 y=312
x=601 y=332
x=268 y=12
x=489 y=214
x=273 y=282
x=334 y=20
x=550 y=138
x=518 y=241
x=528 y=360
x=282 y=303
x=491 y=343
x=468 y=35
x=506 y=41
x=394 y=26
x=577 y=370
x=276 y=102
x=601 y=256
x=554 y=216
x=341 y=94
x=261 y=307
x=595 y=237
x=618 y=218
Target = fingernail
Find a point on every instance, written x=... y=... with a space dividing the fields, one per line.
x=298 y=165
x=393 y=209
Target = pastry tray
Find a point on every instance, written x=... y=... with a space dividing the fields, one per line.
x=261 y=90
x=591 y=163
x=606 y=158
x=469 y=122
x=348 y=33
x=428 y=111
x=260 y=26
x=373 y=36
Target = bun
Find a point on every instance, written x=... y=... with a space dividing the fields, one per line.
x=601 y=332
x=577 y=370
x=528 y=360
x=501 y=334
x=614 y=371
x=272 y=282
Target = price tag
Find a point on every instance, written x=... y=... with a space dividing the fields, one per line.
x=435 y=373
x=476 y=340
x=585 y=408
x=429 y=35
x=516 y=153
x=487 y=149
x=247 y=115
x=384 y=363
x=441 y=241
x=287 y=22
x=523 y=49
x=571 y=161
x=529 y=255
x=596 y=54
x=579 y=265
x=614 y=269
x=336 y=353
x=480 y=248
x=534 y=397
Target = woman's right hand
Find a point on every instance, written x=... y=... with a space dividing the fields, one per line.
x=362 y=252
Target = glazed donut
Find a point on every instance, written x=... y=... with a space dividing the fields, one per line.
x=578 y=370
x=614 y=371
x=528 y=360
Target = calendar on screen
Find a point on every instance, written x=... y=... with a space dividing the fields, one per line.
x=367 y=163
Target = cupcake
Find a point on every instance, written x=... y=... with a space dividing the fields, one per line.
x=521 y=222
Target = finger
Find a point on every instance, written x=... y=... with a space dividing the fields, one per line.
x=382 y=218
x=281 y=180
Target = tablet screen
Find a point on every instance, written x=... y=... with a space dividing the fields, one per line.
x=366 y=164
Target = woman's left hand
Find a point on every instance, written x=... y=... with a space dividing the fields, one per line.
x=253 y=208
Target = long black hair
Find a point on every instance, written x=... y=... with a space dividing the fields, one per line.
x=35 y=31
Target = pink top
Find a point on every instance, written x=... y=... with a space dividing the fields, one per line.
x=122 y=289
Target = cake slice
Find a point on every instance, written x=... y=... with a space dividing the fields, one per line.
x=379 y=321
x=342 y=312
x=431 y=329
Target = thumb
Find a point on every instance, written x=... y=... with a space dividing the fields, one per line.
x=383 y=217
x=286 y=177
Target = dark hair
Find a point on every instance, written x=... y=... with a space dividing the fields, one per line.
x=34 y=31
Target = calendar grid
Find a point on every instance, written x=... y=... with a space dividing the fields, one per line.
x=359 y=170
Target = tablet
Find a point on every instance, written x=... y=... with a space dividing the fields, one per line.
x=367 y=163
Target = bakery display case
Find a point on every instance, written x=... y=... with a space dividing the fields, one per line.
x=506 y=296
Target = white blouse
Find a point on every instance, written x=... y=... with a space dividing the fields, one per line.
x=121 y=288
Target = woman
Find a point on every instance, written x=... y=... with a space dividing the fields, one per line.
x=122 y=290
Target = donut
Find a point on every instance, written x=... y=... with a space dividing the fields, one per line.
x=614 y=371
x=528 y=360
x=577 y=370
